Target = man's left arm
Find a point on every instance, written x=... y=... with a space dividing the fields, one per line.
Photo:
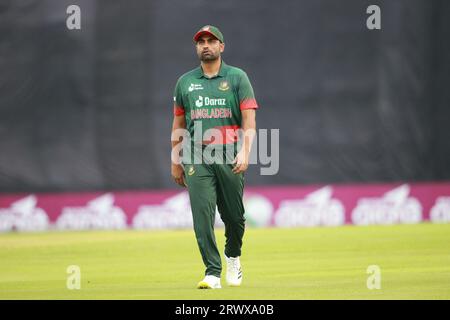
x=249 y=131
x=248 y=106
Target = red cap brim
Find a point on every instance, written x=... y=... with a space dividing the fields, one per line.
x=201 y=33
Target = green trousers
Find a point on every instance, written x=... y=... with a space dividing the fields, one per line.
x=212 y=184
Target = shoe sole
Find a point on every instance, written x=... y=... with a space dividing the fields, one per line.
x=234 y=284
x=205 y=285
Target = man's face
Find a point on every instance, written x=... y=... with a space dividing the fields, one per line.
x=209 y=48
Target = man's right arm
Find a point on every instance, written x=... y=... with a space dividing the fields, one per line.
x=178 y=129
x=179 y=122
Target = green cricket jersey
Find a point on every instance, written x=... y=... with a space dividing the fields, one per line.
x=216 y=102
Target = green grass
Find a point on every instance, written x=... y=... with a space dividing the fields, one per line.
x=304 y=263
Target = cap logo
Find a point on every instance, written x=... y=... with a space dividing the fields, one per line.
x=206 y=28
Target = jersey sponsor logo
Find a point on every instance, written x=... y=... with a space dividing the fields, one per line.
x=395 y=206
x=199 y=102
x=194 y=87
x=24 y=215
x=223 y=86
x=206 y=101
x=317 y=208
x=100 y=213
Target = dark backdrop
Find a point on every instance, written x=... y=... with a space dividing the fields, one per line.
x=92 y=108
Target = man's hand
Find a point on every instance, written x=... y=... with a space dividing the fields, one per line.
x=178 y=174
x=241 y=162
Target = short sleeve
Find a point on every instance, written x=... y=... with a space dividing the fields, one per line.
x=246 y=95
x=178 y=108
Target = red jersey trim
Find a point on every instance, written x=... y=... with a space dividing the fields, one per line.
x=178 y=110
x=248 y=104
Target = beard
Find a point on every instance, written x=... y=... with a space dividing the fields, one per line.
x=208 y=56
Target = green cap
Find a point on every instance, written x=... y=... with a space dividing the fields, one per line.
x=211 y=30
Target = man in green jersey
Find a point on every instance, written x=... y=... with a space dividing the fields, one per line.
x=219 y=98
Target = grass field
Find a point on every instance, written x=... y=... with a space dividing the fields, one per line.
x=304 y=263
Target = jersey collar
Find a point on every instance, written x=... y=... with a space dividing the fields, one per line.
x=222 y=71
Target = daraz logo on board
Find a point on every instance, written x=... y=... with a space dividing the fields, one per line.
x=440 y=212
x=24 y=215
x=395 y=206
x=174 y=213
x=317 y=208
x=100 y=213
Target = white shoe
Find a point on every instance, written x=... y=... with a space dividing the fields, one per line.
x=234 y=272
x=209 y=282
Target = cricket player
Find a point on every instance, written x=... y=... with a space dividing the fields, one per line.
x=217 y=96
